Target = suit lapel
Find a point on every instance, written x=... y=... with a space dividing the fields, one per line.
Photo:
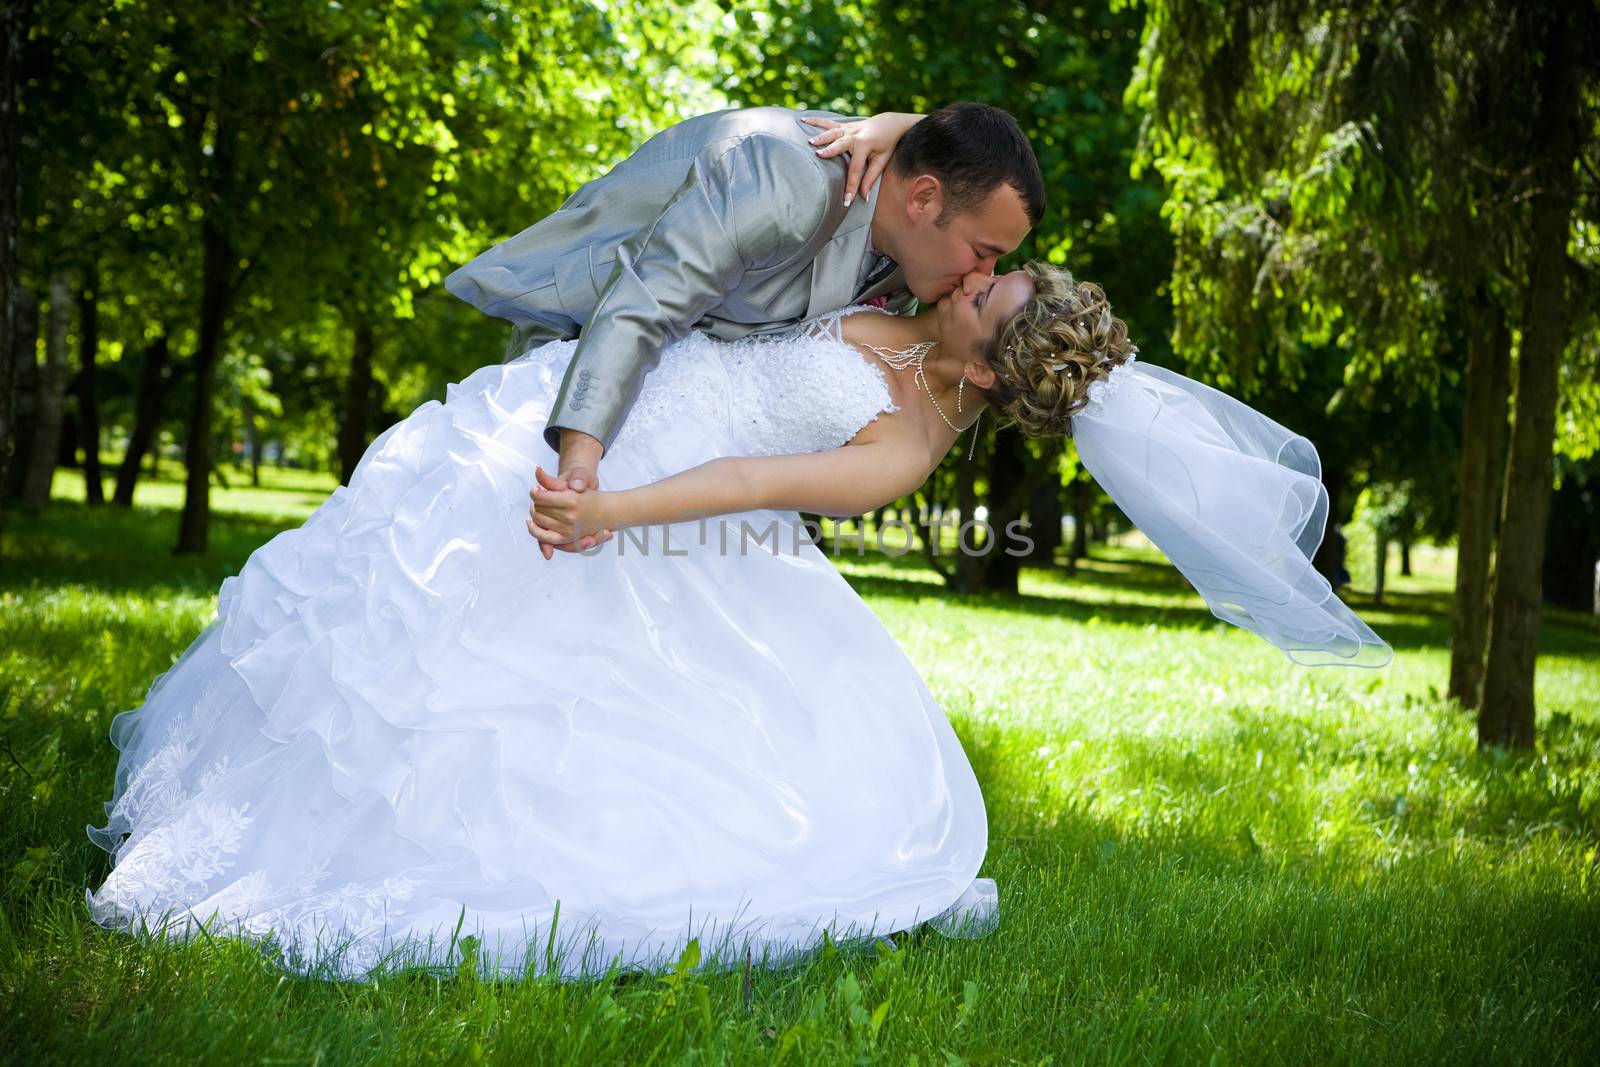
x=838 y=265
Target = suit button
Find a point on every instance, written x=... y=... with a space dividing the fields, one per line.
x=583 y=375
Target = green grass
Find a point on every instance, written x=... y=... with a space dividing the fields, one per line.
x=1205 y=853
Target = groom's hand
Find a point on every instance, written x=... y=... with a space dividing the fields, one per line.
x=580 y=456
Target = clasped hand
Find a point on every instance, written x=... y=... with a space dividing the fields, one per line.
x=558 y=516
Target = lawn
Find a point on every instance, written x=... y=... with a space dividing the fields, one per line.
x=1204 y=853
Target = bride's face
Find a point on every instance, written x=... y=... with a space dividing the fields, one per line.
x=979 y=306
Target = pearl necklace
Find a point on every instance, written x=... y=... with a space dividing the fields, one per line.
x=900 y=359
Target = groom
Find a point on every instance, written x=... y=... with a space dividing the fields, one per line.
x=729 y=223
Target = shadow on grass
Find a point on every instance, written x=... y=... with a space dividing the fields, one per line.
x=121 y=551
x=1419 y=627
x=126 y=551
x=1406 y=620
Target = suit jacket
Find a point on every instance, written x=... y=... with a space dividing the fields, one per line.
x=727 y=223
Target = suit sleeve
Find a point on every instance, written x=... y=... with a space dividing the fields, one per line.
x=745 y=205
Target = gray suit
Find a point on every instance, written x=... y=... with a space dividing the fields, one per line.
x=726 y=223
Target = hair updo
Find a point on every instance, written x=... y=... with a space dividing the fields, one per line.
x=1047 y=354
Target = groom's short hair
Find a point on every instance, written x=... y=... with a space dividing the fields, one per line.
x=972 y=149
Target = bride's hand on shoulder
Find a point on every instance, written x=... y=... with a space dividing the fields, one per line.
x=562 y=518
x=869 y=142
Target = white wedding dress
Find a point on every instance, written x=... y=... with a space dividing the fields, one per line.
x=405 y=728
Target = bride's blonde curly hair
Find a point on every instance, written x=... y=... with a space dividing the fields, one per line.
x=1046 y=355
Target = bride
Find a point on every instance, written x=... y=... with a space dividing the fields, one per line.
x=407 y=739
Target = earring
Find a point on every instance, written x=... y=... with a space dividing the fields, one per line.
x=959 y=388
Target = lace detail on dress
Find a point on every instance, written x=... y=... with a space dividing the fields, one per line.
x=161 y=786
x=1101 y=391
x=344 y=929
x=348 y=922
x=174 y=859
x=829 y=326
x=687 y=377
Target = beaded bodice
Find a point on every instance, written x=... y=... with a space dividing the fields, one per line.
x=802 y=390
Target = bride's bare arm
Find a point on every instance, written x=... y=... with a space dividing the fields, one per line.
x=850 y=480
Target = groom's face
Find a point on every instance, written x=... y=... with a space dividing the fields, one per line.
x=939 y=251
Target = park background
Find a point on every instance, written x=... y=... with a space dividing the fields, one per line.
x=226 y=228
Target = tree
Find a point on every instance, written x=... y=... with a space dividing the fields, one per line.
x=153 y=367
x=15 y=17
x=52 y=389
x=1365 y=171
x=449 y=127
x=300 y=155
x=1482 y=465
x=87 y=386
x=24 y=388
x=1563 y=38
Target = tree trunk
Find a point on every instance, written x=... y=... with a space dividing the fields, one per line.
x=15 y=18
x=252 y=439
x=1044 y=518
x=67 y=439
x=927 y=534
x=1081 y=498
x=1330 y=557
x=1482 y=451
x=1380 y=568
x=1009 y=463
x=1405 y=557
x=88 y=397
x=967 y=570
x=356 y=415
x=146 y=418
x=219 y=259
x=24 y=389
x=1506 y=716
x=1572 y=540
x=52 y=390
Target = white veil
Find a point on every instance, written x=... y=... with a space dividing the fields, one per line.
x=1234 y=500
